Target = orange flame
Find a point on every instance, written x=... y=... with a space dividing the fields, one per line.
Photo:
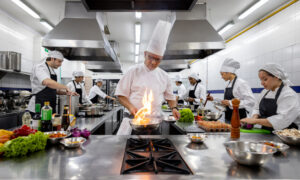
x=141 y=116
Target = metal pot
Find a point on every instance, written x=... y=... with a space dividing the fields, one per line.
x=64 y=100
x=145 y=128
x=213 y=116
x=13 y=60
x=3 y=61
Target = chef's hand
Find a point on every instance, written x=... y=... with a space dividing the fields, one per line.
x=70 y=93
x=210 y=98
x=133 y=110
x=113 y=99
x=225 y=102
x=176 y=114
x=191 y=99
x=249 y=120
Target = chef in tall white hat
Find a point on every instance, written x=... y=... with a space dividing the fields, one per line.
x=236 y=88
x=148 y=77
x=78 y=86
x=44 y=82
x=96 y=92
x=181 y=90
x=196 y=92
x=278 y=104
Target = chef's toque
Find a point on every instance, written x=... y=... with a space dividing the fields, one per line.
x=278 y=72
x=230 y=65
x=78 y=73
x=56 y=55
x=159 y=38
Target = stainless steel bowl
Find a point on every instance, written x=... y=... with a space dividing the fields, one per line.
x=56 y=140
x=249 y=153
x=196 y=137
x=213 y=116
x=288 y=139
x=281 y=147
x=73 y=142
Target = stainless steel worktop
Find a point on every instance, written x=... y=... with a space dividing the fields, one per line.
x=92 y=123
x=101 y=156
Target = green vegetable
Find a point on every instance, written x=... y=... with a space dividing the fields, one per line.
x=23 y=145
x=186 y=115
x=164 y=107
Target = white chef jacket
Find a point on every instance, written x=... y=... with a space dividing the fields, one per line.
x=181 y=91
x=139 y=78
x=199 y=93
x=243 y=92
x=288 y=108
x=71 y=86
x=95 y=90
x=40 y=72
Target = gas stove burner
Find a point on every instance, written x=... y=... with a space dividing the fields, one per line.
x=154 y=156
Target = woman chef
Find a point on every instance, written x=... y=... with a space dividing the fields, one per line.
x=196 y=92
x=278 y=105
x=96 y=92
x=180 y=91
x=146 y=77
x=236 y=88
x=77 y=86
x=43 y=82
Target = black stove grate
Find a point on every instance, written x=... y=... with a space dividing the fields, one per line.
x=154 y=156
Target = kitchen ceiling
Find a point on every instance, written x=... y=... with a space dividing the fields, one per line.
x=121 y=24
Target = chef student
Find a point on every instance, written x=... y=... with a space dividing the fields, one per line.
x=96 y=92
x=148 y=76
x=181 y=90
x=44 y=82
x=236 y=88
x=77 y=86
x=278 y=104
x=196 y=91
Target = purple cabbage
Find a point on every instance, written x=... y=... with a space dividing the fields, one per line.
x=85 y=133
x=77 y=132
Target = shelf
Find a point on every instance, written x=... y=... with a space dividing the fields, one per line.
x=3 y=72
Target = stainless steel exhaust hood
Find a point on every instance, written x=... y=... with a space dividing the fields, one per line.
x=192 y=36
x=104 y=67
x=79 y=36
x=174 y=65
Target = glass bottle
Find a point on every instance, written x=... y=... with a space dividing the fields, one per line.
x=26 y=118
x=46 y=123
x=36 y=119
x=66 y=118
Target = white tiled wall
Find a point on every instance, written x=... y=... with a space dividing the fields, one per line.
x=276 y=40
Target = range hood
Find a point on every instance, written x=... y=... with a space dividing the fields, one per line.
x=103 y=66
x=174 y=65
x=138 y=5
x=192 y=36
x=80 y=36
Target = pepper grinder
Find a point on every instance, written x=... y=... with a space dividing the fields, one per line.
x=235 y=120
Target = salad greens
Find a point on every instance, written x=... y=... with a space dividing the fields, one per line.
x=186 y=115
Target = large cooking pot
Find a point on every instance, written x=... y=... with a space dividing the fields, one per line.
x=3 y=61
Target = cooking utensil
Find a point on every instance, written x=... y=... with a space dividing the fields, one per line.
x=145 y=127
x=213 y=116
x=288 y=139
x=196 y=137
x=249 y=153
x=73 y=142
x=56 y=140
x=206 y=99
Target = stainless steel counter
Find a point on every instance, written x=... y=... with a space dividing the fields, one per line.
x=101 y=157
x=92 y=123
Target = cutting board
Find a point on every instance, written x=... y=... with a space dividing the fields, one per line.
x=255 y=130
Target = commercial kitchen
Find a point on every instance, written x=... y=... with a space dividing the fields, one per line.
x=135 y=89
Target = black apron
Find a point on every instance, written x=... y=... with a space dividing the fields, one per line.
x=95 y=99
x=47 y=94
x=79 y=91
x=268 y=107
x=228 y=95
x=192 y=95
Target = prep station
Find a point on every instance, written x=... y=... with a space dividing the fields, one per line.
x=137 y=89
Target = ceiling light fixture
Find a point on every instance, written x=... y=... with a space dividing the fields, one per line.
x=137 y=49
x=137 y=33
x=46 y=24
x=26 y=8
x=136 y=59
x=12 y=32
x=252 y=9
x=138 y=15
x=225 y=28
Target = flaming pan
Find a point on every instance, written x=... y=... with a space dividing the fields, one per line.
x=152 y=126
